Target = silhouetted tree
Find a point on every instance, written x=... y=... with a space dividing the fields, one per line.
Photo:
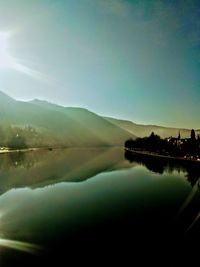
x=129 y=143
x=189 y=147
x=193 y=138
x=179 y=136
x=152 y=135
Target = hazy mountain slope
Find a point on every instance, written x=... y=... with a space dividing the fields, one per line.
x=75 y=126
x=72 y=126
x=145 y=130
x=85 y=125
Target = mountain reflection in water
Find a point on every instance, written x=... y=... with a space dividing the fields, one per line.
x=44 y=167
x=47 y=198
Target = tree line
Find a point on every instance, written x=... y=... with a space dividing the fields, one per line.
x=168 y=146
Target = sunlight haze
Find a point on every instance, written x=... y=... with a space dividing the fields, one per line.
x=136 y=60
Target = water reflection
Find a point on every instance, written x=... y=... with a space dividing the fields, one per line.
x=44 y=201
x=188 y=211
x=44 y=167
x=161 y=165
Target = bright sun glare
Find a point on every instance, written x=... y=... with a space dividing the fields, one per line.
x=6 y=61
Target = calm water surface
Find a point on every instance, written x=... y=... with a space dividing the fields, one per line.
x=70 y=202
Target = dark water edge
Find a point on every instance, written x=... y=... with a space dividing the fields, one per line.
x=120 y=239
x=105 y=243
x=108 y=228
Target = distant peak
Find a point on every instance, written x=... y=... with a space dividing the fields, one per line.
x=36 y=100
x=42 y=102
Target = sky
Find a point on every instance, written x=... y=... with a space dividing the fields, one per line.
x=135 y=60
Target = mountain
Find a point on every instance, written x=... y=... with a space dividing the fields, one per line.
x=62 y=125
x=4 y=99
x=145 y=130
x=70 y=126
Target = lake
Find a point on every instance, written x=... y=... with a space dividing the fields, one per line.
x=77 y=203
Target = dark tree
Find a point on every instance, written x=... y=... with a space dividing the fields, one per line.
x=193 y=138
x=179 y=136
x=152 y=135
x=129 y=143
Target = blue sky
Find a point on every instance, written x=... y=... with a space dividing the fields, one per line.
x=136 y=60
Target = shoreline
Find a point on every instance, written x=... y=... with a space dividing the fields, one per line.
x=50 y=148
x=153 y=154
x=6 y=151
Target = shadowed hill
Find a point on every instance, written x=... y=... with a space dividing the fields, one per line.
x=145 y=130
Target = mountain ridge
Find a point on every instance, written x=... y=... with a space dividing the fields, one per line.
x=142 y=130
x=76 y=125
x=66 y=125
x=146 y=125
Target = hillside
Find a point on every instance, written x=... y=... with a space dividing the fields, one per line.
x=145 y=130
x=66 y=126
x=70 y=126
